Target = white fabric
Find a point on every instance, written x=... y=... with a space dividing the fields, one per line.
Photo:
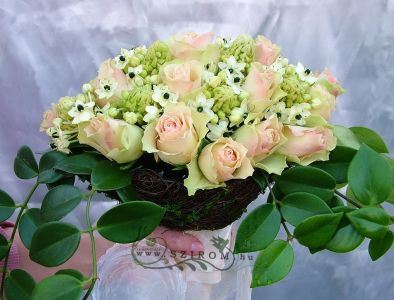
x=122 y=277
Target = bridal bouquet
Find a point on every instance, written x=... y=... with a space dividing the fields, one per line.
x=186 y=133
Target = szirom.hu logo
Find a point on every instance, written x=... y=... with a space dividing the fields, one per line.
x=151 y=254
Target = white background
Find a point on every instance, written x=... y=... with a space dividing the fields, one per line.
x=49 y=48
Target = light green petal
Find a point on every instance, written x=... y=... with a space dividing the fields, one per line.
x=345 y=137
x=315 y=121
x=273 y=164
x=211 y=54
x=196 y=180
x=149 y=138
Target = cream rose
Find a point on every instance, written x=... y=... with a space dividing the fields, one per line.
x=331 y=83
x=115 y=139
x=323 y=103
x=223 y=160
x=261 y=139
x=265 y=52
x=109 y=83
x=176 y=135
x=306 y=145
x=182 y=77
x=48 y=118
x=261 y=85
x=189 y=45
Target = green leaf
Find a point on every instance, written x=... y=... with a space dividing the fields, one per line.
x=307 y=179
x=25 y=165
x=343 y=209
x=128 y=194
x=297 y=207
x=19 y=285
x=59 y=201
x=378 y=247
x=58 y=287
x=371 y=222
x=7 y=206
x=317 y=231
x=80 y=164
x=130 y=222
x=345 y=239
x=3 y=246
x=390 y=199
x=272 y=264
x=30 y=221
x=259 y=178
x=47 y=173
x=71 y=272
x=258 y=230
x=370 y=177
x=338 y=164
x=345 y=137
x=54 y=243
x=107 y=176
x=370 y=138
x=66 y=180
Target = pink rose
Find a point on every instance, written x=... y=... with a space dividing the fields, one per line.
x=223 y=160
x=323 y=103
x=48 y=118
x=109 y=84
x=331 y=83
x=175 y=137
x=260 y=84
x=306 y=145
x=115 y=139
x=183 y=77
x=265 y=51
x=189 y=45
x=261 y=139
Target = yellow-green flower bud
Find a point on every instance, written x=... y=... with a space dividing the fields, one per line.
x=87 y=88
x=130 y=117
x=134 y=61
x=156 y=55
x=215 y=81
x=113 y=112
x=241 y=48
x=137 y=99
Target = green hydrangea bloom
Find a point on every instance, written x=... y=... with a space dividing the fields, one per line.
x=157 y=54
x=296 y=89
x=241 y=48
x=137 y=100
x=225 y=100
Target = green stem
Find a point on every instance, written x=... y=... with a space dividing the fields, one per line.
x=93 y=246
x=290 y=237
x=359 y=205
x=348 y=199
x=11 y=241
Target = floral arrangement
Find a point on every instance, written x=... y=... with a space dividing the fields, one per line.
x=215 y=111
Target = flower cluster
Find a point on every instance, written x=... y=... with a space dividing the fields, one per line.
x=220 y=107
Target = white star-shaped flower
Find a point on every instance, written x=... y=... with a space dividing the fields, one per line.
x=162 y=95
x=133 y=72
x=81 y=112
x=231 y=65
x=216 y=131
x=305 y=74
x=203 y=105
x=106 y=88
x=153 y=113
x=122 y=59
